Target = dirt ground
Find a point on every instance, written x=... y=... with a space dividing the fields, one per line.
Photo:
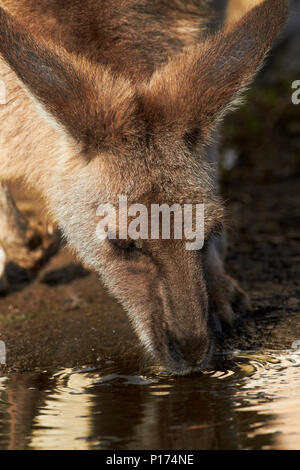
x=63 y=317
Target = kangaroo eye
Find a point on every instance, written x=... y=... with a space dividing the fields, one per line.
x=127 y=246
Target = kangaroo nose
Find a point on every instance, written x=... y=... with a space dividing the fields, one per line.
x=191 y=355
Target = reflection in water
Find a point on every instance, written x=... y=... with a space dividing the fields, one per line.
x=251 y=402
x=275 y=391
x=64 y=412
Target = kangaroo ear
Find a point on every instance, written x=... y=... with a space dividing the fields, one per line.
x=92 y=105
x=192 y=93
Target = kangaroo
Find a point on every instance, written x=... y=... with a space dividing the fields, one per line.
x=107 y=98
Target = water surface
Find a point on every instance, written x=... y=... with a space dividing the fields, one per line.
x=251 y=401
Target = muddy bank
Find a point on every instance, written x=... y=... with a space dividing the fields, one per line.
x=63 y=317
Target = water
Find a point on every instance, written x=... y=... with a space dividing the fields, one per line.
x=251 y=401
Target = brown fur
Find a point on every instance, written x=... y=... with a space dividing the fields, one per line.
x=132 y=37
x=125 y=103
x=207 y=78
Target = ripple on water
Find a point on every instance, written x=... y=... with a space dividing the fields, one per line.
x=254 y=398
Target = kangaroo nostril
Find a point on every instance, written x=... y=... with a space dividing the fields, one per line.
x=174 y=349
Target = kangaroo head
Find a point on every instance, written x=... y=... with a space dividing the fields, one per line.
x=145 y=142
